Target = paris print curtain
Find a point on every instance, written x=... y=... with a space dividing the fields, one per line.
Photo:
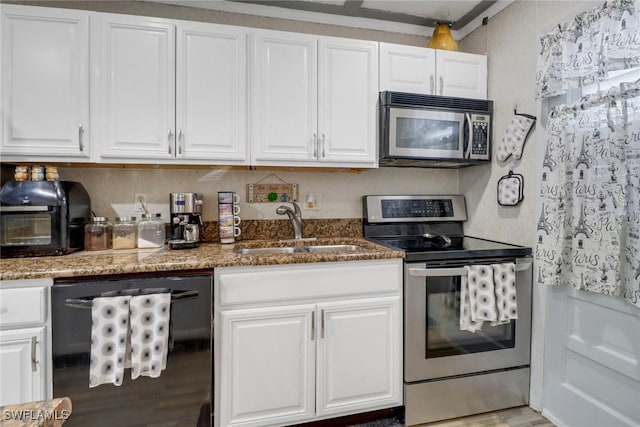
x=589 y=229
x=586 y=49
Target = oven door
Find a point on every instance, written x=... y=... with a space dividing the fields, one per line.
x=434 y=345
x=426 y=134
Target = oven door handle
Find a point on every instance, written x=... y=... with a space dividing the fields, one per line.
x=521 y=265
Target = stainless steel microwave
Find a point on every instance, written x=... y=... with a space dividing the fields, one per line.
x=434 y=131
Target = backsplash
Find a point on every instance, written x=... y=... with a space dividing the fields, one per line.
x=112 y=190
x=281 y=229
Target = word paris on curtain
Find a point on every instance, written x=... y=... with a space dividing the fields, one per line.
x=585 y=50
x=589 y=228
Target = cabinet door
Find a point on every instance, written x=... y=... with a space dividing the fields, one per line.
x=267 y=366
x=134 y=87
x=45 y=83
x=211 y=93
x=461 y=74
x=347 y=101
x=359 y=356
x=410 y=69
x=284 y=99
x=22 y=362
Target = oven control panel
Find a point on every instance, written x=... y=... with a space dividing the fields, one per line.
x=414 y=208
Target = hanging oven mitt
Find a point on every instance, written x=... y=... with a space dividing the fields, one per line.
x=510 y=189
x=515 y=136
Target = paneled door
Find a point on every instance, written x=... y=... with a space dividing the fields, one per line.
x=267 y=366
x=23 y=364
x=347 y=100
x=591 y=361
x=134 y=89
x=45 y=83
x=284 y=98
x=359 y=362
x=460 y=74
x=211 y=82
x=408 y=69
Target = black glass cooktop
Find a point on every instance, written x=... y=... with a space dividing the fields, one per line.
x=422 y=249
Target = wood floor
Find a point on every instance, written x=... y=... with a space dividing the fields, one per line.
x=522 y=416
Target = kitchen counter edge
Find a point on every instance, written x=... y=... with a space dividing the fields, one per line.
x=205 y=256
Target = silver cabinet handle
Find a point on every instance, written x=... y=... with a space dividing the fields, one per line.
x=432 y=84
x=34 y=362
x=169 y=136
x=322 y=139
x=313 y=325
x=441 y=85
x=315 y=145
x=81 y=137
x=322 y=324
x=180 y=141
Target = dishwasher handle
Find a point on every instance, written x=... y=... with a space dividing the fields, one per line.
x=521 y=265
x=86 y=302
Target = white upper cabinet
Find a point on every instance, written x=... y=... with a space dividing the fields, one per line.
x=169 y=92
x=211 y=120
x=313 y=101
x=134 y=87
x=44 y=84
x=427 y=71
x=407 y=69
x=461 y=74
x=284 y=98
x=347 y=100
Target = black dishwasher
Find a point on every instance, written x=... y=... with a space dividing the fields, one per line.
x=180 y=396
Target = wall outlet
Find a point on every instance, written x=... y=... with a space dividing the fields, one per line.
x=312 y=202
x=139 y=200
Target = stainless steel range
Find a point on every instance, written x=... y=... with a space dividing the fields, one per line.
x=449 y=372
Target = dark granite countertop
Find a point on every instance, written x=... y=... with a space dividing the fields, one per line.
x=207 y=255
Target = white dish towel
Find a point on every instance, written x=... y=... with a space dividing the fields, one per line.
x=487 y=293
x=149 y=334
x=109 y=328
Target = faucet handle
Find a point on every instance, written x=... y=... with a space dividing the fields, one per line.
x=296 y=208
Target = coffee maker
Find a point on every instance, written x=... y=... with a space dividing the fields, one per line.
x=186 y=220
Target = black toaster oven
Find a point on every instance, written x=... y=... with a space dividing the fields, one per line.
x=39 y=218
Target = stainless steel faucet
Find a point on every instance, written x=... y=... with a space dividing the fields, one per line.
x=295 y=215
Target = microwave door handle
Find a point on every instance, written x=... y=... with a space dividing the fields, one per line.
x=86 y=302
x=467 y=155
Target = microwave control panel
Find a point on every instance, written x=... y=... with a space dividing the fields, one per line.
x=479 y=137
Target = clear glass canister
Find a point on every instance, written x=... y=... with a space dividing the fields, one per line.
x=98 y=234
x=125 y=232
x=151 y=233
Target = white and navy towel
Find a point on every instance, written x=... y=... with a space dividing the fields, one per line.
x=128 y=332
x=487 y=293
x=109 y=341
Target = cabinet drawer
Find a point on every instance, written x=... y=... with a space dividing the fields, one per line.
x=22 y=306
x=249 y=285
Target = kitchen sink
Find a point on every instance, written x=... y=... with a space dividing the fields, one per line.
x=277 y=250
x=269 y=251
x=335 y=248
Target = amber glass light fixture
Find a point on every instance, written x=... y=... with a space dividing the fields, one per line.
x=442 y=38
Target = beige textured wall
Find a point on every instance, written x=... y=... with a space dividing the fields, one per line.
x=112 y=190
x=511 y=42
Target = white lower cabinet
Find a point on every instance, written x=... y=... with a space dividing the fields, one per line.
x=268 y=366
x=21 y=361
x=356 y=357
x=307 y=342
x=25 y=337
